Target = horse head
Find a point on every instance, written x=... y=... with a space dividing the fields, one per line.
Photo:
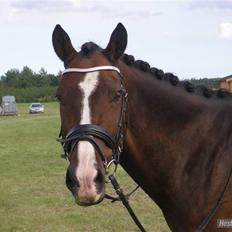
x=92 y=98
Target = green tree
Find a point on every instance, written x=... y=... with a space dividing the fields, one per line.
x=11 y=77
x=26 y=78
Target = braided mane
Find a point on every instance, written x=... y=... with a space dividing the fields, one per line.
x=173 y=79
x=90 y=47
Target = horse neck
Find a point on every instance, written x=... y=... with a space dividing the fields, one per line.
x=159 y=148
x=156 y=112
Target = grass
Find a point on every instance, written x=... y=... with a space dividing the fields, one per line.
x=33 y=196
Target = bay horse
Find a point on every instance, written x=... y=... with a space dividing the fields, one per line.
x=173 y=139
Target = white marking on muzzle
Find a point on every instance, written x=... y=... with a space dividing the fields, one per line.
x=86 y=170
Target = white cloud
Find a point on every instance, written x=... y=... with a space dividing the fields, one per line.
x=106 y=8
x=42 y=5
x=226 y=30
x=210 y=4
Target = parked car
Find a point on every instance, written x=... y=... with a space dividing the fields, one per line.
x=36 y=108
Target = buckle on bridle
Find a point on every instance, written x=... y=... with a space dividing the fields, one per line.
x=107 y=168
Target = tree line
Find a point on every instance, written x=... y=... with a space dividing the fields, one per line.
x=29 y=86
x=211 y=83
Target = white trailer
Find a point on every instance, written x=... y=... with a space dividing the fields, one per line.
x=8 y=106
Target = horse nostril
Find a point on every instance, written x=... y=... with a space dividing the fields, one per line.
x=99 y=181
x=99 y=178
x=71 y=182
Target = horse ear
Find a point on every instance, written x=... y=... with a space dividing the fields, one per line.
x=62 y=44
x=117 y=43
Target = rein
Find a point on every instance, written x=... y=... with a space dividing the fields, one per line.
x=211 y=213
x=88 y=132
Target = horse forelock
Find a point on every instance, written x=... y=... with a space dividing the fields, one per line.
x=89 y=48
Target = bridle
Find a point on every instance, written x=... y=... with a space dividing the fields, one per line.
x=89 y=132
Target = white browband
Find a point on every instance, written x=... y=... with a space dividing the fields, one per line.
x=93 y=69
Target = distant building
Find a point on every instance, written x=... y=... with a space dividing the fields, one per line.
x=226 y=83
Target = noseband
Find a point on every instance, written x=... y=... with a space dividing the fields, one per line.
x=89 y=132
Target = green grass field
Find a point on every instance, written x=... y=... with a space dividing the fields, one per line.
x=33 y=196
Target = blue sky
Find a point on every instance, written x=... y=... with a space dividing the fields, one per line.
x=190 y=38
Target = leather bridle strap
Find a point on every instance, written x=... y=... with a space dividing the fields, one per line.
x=125 y=202
x=92 y=69
x=212 y=212
x=89 y=132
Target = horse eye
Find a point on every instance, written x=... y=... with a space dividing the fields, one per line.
x=117 y=96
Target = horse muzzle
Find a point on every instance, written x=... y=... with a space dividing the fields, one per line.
x=86 y=193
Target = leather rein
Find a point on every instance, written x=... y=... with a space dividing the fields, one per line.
x=88 y=132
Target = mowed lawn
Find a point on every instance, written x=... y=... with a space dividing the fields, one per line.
x=33 y=196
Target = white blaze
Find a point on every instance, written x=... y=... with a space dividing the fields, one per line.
x=87 y=86
x=86 y=171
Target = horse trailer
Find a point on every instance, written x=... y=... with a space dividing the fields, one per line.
x=8 y=106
